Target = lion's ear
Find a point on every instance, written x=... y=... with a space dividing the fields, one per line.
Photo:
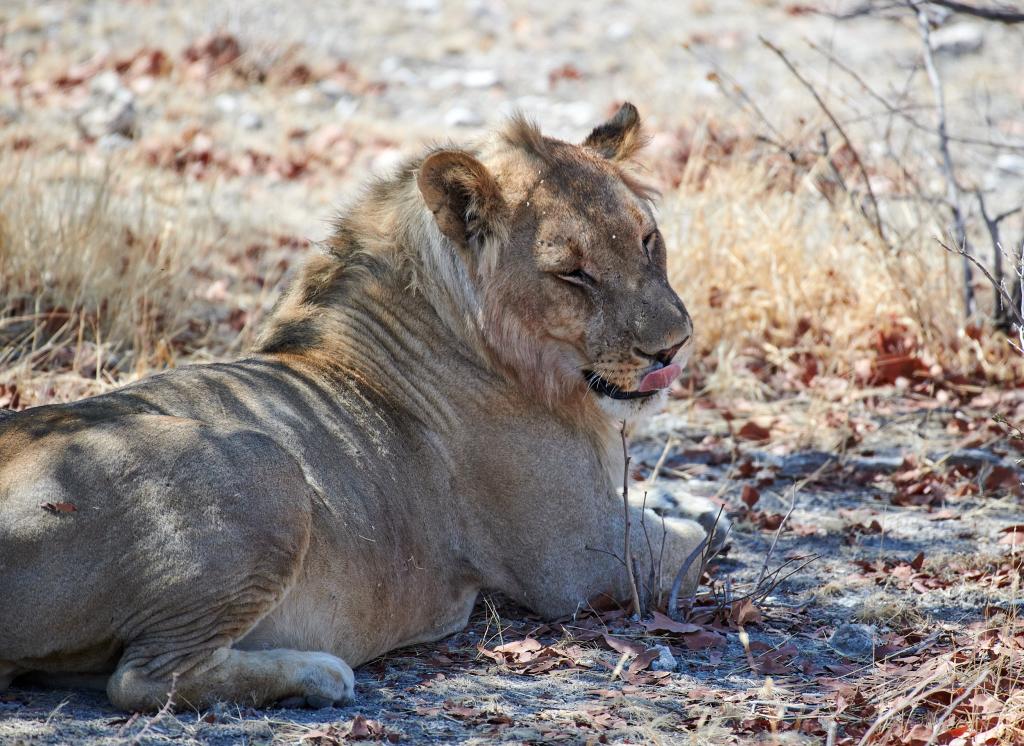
x=620 y=137
x=463 y=195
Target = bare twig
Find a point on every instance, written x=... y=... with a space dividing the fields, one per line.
x=902 y=112
x=160 y=714
x=775 y=540
x=677 y=584
x=1000 y=14
x=952 y=188
x=992 y=224
x=637 y=608
x=899 y=705
x=1018 y=314
x=953 y=705
x=875 y=220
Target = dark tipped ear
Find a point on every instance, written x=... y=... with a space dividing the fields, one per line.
x=620 y=137
x=464 y=197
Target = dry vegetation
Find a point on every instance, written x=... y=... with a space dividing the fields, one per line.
x=823 y=322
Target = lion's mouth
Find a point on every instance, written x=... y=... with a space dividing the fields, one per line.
x=661 y=377
x=606 y=388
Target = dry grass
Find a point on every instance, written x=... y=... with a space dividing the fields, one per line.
x=97 y=280
x=788 y=289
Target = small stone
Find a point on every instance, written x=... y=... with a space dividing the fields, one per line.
x=1010 y=163
x=855 y=641
x=107 y=83
x=226 y=103
x=345 y=107
x=250 y=120
x=479 y=78
x=619 y=31
x=305 y=96
x=113 y=141
x=665 y=660
x=958 y=39
x=460 y=116
x=877 y=464
x=124 y=121
x=804 y=462
x=331 y=89
x=113 y=118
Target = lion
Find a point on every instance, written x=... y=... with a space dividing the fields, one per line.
x=432 y=411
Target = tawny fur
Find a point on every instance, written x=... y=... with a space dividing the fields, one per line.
x=415 y=426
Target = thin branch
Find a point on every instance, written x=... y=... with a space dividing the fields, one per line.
x=1000 y=14
x=954 y=704
x=677 y=584
x=952 y=188
x=902 y=112
x=992 y=224
x=876 y=220
x=1018 y=315
x=775 y=540
x=637 y=608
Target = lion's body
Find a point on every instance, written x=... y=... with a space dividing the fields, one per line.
x=251 y=529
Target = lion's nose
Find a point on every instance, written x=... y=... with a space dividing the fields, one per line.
x=664 y=356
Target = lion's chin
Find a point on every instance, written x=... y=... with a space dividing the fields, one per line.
x=631 y=409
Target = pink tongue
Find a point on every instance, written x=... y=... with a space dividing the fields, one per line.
x=661 y=378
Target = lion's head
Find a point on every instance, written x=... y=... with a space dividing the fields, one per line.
x=565 y=263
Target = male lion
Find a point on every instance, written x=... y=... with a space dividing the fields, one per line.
x=433 y=410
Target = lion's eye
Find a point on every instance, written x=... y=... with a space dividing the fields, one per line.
x=576 y=277
x=650 y=241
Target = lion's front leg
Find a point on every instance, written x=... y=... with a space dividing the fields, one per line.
x=660 y=546
x=680 y=503
x=583 y=566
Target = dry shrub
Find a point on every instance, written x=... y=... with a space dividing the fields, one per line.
x=786 y=290
x=94 y=279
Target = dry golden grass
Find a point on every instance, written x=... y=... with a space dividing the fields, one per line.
x=779 y=280
x=96 y=278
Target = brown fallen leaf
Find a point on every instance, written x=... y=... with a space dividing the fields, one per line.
x=642 y=661
x=1004 y=478
x=360 y=728
x=751 y=430
x=744 y=612
x=461 y=712
x=518 y=647
x=1013 y=535
x=703 y=640
x=661 y=622
x=750 y=495
x=626 y=647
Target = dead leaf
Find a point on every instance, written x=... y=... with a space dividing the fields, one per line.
x=751 y=430
x=703 y=640
x=750 y=495
x=626 y=647
x=518 y=647
x=360 y=728
x=661 y=622
x=642 y=661
x=459 y=711
x=1004 y=478
x=1013 y=535
x=744 y=612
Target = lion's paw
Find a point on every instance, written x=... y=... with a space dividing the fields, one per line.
x=325 y=680
x=682 y=504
